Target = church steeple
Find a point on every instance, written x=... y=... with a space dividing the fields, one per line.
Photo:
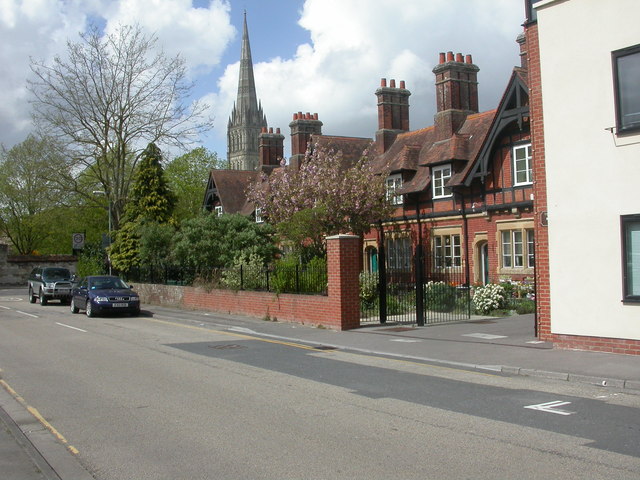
x=247 y=118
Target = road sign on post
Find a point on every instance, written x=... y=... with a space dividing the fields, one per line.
x=77 y=241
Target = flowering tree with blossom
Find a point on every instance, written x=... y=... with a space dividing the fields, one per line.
x=328 y=195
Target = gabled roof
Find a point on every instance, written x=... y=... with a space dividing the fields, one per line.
x=418 y=151
x=352 y=148
x=229 y=187
x=513 y=107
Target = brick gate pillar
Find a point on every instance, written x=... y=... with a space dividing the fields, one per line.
x=343 y=270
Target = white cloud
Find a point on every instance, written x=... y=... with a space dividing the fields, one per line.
x=39 y=29
x=355 y=43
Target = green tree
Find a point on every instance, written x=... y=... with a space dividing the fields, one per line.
x=210 y=241
x=188 y=175
x=326 y=196
x=26 y=196
x=151 y=200
x=106 y=96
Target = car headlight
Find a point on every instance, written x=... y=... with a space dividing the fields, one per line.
x=101 y=299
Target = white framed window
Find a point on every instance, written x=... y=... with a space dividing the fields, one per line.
x=517 y=248
x=626 y=72
x=259 y=215
x=394 y=183
x=440 y=177
x=447 y=251
x=522 y=168
x=219 y=210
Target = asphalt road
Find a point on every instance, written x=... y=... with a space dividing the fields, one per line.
x=184 y=395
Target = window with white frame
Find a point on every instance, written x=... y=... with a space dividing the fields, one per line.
x=259 y=215
x=626 y=75
x=517 y=248
x=631 y=258
x=398 y=252
x=522 y=169
x=218 y=210
x=447 y=251
x=440 y=177
x=394 y=183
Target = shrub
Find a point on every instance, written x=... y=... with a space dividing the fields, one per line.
x=439 y=297
x=489 y=297
x=368 y=287
x=290 y=276
x=247 y=272
x=525 y=306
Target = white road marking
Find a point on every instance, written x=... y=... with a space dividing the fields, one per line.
x=551 y=407
x=536 y=341
x=69 y=326
x=6 y=308
x=243 y=330
x=404 y=340
x=484 y=336
x=28 y=314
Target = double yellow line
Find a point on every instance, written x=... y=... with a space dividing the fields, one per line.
x=38 y=417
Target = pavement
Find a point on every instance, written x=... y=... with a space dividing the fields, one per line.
x=507 y=345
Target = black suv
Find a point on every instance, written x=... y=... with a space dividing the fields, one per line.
x=48 y=283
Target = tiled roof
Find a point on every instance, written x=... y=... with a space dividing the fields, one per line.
x=231 y=186
x=352 y=148
x=418 y=150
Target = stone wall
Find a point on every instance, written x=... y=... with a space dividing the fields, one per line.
x=15 y=269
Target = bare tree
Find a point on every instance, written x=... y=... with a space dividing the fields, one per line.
x=107 y=100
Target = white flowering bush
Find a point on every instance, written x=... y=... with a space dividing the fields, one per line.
x=489 y=297
x=368 y=286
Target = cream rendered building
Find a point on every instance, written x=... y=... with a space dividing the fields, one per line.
x=590 y=74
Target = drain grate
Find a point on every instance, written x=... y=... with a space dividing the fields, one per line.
x=228 y=346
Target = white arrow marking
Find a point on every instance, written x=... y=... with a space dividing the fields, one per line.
x=28 y=314
x=550 y=407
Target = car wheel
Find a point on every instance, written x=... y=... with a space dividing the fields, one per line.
x=74 y=309
x=89 y=308
x=43 y=299
x=32 y=297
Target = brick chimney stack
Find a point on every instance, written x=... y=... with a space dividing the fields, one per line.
x=456 y=92
x=393 y=113
x=303 y=126
x=270 y=147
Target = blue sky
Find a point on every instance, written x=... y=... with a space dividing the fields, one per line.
x=318 y=56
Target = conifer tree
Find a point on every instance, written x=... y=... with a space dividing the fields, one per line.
x=150 y=201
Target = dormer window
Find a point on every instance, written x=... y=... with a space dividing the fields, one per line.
x=394 y=183
x=441 y=176
x=219 y=210
x=522 y=170
x=259 y=215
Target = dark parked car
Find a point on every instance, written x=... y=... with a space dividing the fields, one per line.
x=104 y=294
x=49 y=283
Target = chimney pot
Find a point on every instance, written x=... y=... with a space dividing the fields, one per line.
x=459 y=58
x=263 y=130
x=393 y=83
x=308 y=116
x=468 y=59
x=402 y=84
x=449 y=56
x=295 y=116
x=442 y=57
x=278 y=130
x=270 y=129
x=383 y=82
x=300 y=116
x=315 y=116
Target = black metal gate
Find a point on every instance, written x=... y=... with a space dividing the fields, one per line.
x=423 y=294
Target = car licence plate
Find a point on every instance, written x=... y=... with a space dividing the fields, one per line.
x=116 y=305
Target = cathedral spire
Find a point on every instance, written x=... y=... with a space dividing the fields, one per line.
x=247 y=118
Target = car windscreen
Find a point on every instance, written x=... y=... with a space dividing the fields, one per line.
x=106 y=283
x=56 y=274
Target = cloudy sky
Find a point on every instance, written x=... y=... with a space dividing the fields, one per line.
x=324 y=56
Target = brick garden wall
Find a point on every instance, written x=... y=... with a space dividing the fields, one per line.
x=339 y=310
